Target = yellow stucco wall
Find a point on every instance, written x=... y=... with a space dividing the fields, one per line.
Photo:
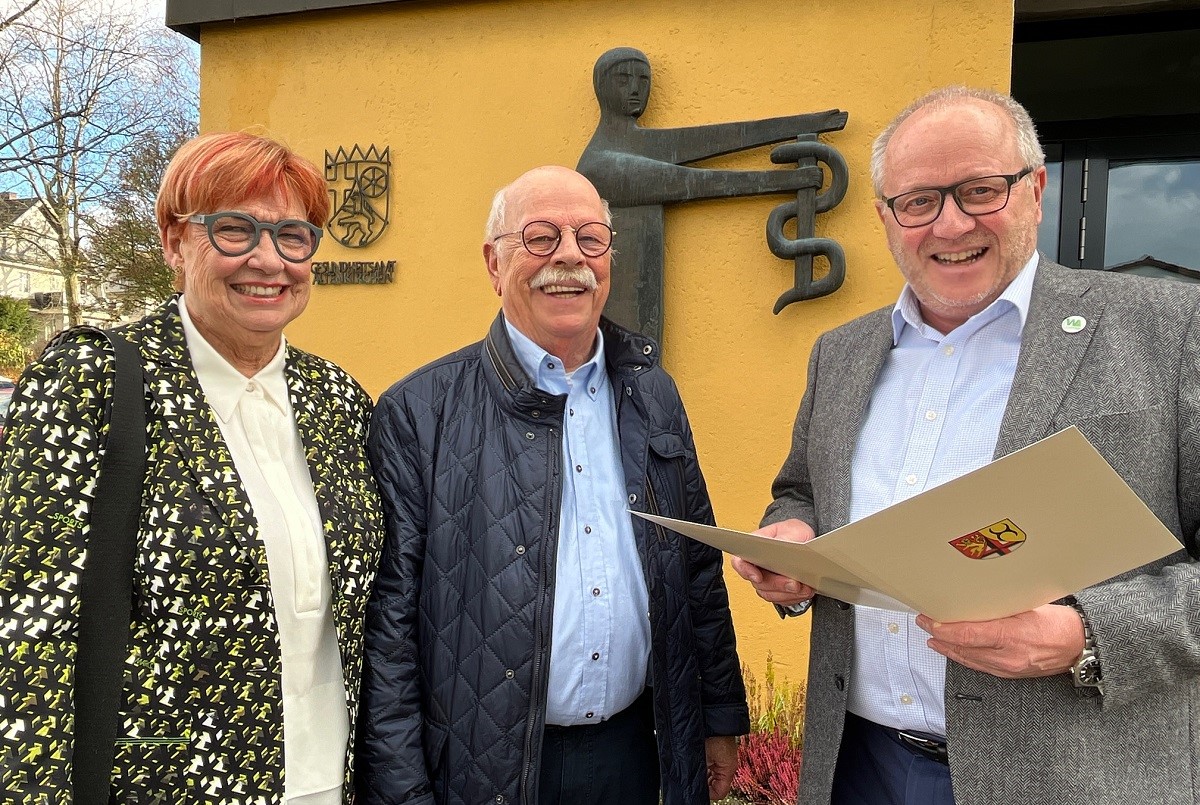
x=469 y=94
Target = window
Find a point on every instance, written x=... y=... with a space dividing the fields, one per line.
x=1115 y=201
x=1115 y=93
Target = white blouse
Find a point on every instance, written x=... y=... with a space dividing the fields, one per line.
x=256 y=419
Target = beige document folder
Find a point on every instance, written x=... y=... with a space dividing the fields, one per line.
x=1022 y=531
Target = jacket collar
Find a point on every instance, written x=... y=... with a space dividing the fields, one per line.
x=625 y=352
x=189 y=427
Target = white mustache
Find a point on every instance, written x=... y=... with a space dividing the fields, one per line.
x=555 y=275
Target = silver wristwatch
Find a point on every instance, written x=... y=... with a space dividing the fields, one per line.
x=1086 y=671
x=794 y=609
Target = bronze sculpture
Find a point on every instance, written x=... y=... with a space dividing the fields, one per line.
x=638 y=170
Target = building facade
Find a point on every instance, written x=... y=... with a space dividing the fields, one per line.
x=467 y=95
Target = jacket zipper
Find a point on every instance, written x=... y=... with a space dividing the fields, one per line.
x=545 y=588
x=653 y=504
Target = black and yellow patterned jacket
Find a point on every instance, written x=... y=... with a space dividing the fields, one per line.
x=203 y=715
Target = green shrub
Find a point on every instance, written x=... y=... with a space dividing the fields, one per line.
x=13 y=355
x=775 y=706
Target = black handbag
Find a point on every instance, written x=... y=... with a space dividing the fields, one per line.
x=106 y=586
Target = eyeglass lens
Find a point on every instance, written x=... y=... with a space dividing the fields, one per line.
x=541 y=238
x=981 y=196
x=235 y=234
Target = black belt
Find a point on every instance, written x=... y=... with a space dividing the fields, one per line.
x=931 y=748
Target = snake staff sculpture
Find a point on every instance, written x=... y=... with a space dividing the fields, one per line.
x=638 y=170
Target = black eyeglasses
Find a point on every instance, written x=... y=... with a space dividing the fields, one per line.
x=236 y=233
x=979 y=196
x=541 y=238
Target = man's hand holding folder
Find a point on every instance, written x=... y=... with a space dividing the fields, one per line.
x=774 y=587
x=1040 y=642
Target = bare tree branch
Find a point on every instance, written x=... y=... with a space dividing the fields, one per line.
x=4 y=23
x=84 y=86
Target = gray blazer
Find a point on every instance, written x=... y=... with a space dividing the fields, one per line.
x=1130 y=380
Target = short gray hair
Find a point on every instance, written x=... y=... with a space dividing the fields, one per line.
x=496 y=215
x=1027 y=140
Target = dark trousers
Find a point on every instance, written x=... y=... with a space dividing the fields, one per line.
x=614 y=762
x=875 y=768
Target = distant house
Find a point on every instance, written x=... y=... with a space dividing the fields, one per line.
x=1147 y=266
x=26 y=266
x=27 y=246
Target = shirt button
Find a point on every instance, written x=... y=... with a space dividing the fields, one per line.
x=931 y=415
x=520 y=550
x=592 y=389
x=550 y=364
x=578 y=468
x=587 y=529
x=893 y=628
x=910 y=480
x=251 y=387
x=571 y=411
x=905 y=698
x=595 y=591
x=948 y=349
x=588 y=714
x=595 y=655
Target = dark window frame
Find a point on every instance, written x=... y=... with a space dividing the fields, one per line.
x=1105 y=142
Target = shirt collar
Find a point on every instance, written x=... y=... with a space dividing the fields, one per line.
x=546 y=370
x=223 y=384
x=1016 y=296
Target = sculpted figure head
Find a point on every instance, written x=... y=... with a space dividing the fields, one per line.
x=621 y=79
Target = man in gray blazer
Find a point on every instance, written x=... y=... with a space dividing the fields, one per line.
x=990 y=347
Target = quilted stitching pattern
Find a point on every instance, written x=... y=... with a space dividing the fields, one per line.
x=202 y=720
x=467 y=455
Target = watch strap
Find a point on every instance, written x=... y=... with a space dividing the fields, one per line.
x=1086 y=673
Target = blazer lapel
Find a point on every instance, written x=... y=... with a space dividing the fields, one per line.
x=1051 y=352
x=188 y=424
x=321 y=453
x=851 y=365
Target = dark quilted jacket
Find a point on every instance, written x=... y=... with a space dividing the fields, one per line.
x=468 y=455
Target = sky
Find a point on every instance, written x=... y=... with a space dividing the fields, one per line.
x=153 y=11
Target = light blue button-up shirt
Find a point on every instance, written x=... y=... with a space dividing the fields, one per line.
x=601 y=642
x=934 y=415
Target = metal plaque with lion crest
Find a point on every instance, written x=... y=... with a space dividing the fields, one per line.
x=360 y=182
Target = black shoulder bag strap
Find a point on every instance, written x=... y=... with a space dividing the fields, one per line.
x=106 y=589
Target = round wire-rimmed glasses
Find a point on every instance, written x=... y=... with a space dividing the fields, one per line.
x=235 y=233
x=541 y=238
x=982 y=195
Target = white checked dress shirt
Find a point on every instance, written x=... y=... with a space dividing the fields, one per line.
x=934 y=415
x=601 y=637
x=256 y=419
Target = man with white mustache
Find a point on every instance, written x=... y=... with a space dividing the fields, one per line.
x=529 y=641
x=990 y=347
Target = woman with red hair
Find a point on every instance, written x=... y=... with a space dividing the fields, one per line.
x=259 y=523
